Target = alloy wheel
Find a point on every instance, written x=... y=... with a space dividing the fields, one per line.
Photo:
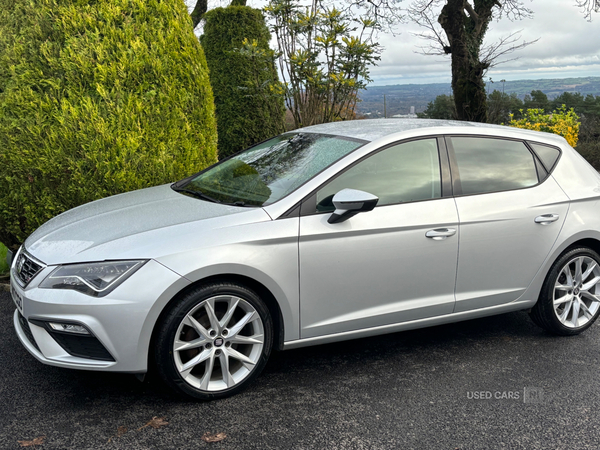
x=576 y=293
x=218 y=343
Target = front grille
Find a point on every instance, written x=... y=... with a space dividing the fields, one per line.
x=26 y=268
x=27 y=330
x=82 y=346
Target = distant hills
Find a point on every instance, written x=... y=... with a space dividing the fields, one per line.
x=400 y=97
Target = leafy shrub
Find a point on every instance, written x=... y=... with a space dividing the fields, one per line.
x=248 y=96
x=96 y=98
x=562 y=122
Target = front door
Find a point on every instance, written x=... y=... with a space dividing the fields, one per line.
x=384 y=266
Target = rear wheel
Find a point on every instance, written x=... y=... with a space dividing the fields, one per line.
x=570 y=298
x=214 y=341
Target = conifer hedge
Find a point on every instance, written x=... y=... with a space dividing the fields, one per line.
x=96 y=98
x=248 y=96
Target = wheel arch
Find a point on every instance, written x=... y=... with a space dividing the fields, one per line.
x=591 y=243
x=261 y=290
x=589 y=239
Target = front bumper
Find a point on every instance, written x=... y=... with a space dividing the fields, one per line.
x=120 y=323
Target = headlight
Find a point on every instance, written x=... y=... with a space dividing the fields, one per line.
x=96 y=279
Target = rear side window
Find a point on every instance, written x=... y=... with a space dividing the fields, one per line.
x=548 y=155
x=493 y=165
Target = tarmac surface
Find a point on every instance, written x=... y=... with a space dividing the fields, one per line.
x=498 y=382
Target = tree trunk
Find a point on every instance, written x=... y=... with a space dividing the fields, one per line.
x=202 y=6
x=198 y=12
x=465 y=28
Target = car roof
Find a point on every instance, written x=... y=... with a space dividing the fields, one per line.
x=373 y=129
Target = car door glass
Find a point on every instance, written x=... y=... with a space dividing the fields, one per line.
x=406 y=172
x=493 y=165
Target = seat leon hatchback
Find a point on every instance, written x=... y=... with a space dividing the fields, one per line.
x=322 y=234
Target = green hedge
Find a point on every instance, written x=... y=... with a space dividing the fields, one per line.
x=96 y=98
x=3 y=264
x=245 y=83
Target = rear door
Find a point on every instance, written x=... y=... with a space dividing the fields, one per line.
x=511 y=213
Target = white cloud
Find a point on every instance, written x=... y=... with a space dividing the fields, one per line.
x=568 y=46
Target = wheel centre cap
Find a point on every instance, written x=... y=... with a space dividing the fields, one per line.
x=219 y=341
x=576 y=291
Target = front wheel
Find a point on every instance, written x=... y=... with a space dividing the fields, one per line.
x=214 y=341
x=569 y=301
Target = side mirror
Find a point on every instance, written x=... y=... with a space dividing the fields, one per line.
x=349 y=202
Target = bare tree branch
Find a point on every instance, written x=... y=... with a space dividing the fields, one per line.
x=490 y=54
x=387 y=13
x=588 y=7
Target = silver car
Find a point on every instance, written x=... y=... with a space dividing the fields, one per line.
x=323 y=234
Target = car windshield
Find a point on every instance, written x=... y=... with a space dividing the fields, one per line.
x=269 y=171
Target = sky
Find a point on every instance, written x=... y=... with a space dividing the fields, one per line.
x=568 y=46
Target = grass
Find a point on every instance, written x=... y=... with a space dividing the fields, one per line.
x=3 y=264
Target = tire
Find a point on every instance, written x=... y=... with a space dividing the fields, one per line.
x=214 y=341
x=569 y=301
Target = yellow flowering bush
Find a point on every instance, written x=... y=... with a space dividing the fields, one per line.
x=562 y=122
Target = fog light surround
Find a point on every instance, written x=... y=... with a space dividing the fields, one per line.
x=68 y=328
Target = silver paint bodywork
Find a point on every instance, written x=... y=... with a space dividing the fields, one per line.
x=375 y=273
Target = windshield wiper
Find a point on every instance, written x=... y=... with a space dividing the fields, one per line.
x=197 y=194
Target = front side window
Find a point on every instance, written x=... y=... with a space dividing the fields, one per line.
x=269 y=171
x=406 y=172
x=493 y=165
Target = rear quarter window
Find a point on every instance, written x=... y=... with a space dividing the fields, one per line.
x=548 y=155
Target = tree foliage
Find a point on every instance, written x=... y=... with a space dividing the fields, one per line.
x=502 y=105
x=324 y=59
x=248 y=95
x=441 y=108
x=536 y=100
x=96 y=98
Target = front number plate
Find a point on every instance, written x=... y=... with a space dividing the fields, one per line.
x=16 y=298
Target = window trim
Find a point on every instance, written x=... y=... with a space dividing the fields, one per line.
x=308 y=205
x=456 y=182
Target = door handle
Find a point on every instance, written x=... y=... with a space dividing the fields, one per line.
x=439 y=234
x=545 y=219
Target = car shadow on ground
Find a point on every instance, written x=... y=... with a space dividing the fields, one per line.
x=320 y=362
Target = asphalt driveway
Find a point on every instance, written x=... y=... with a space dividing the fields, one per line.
x=498 y=382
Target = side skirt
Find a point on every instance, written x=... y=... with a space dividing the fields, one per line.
x=412 y=325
